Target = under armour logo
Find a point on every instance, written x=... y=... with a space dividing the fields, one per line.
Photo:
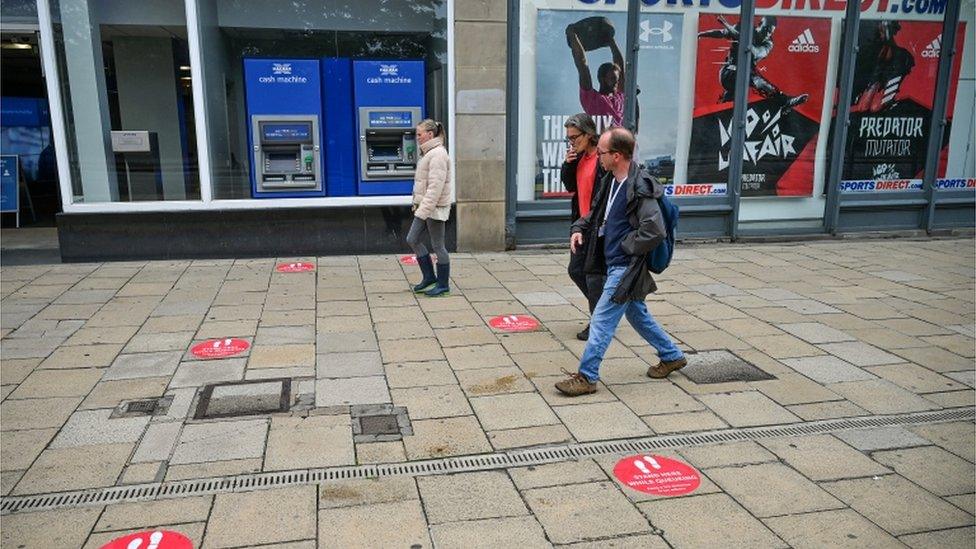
x=647 y=30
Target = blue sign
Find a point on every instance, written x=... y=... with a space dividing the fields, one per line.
x=9 y=201
x=392 y=119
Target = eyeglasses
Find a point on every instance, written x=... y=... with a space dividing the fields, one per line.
x=572 y=138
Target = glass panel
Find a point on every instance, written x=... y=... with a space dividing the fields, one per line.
x=895 y=72
x=957 y=167
x=125 y=75
x=307 y=34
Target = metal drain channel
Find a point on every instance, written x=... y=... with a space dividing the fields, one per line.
x=481 y=462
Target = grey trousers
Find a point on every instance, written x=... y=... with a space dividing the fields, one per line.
x=417 y=237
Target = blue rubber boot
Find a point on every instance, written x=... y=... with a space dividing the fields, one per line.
x=427 y=269
x=442 y=288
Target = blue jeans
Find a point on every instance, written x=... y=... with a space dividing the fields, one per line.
x=604 y=321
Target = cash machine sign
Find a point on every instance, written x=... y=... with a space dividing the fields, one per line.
x=281 y=68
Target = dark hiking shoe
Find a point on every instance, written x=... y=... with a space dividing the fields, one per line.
x=664 y=368
x=585 y=334
x=576 y=385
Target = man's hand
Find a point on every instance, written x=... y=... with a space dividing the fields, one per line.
x=575 y=241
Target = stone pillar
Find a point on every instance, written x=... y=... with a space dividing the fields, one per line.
x=479 y=54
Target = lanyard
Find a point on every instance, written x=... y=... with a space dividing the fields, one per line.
x=613 y=196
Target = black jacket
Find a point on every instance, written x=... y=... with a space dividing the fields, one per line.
x=647 y=223
x=568 y=175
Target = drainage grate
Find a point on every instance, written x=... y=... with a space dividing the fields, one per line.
x=721 y=367
x=142 y=407
x=515 y=458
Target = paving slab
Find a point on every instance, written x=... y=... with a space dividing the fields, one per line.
x=18 y=449
x=828 y=369
x=601 y=421
x=136 y=516
x=932 y=468
x=557 y=474
x=57 y=383
x=860 y=354
x=881 y=397
x=513 y=411
x=823 y=457
x=727 y=454
x=223 y=440
x=433 y=438
x=915 y=378
x=661 y=397
x=197 y=373
x=897 y=505
x=957 y=437
x=581 y=512
x=157 y=443
x=59 y=528
x=343 y=365
x=789 y=389
x=529 y=436
x=90 y=427
x=367 y=492
x=432 y=402
x=396 y=524
x=881 y=438
x=419 y=374
x=351 y=391
x=143 y=365
x=504 y=532
x=708 y=521
x=815 y=332
x=468 y=496
x=263 y=516
x=76 y=468
x=836 y=528
x=82 y=356
x=685 y=422
x=747 y=409
x=493 y=381
x=772 y=489
x=36 y=413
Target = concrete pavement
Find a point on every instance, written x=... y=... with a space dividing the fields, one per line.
x=344 y=367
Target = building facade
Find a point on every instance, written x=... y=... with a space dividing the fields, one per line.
x=220 y=128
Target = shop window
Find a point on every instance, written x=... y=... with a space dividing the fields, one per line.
x=252 y=48
x=126 y=88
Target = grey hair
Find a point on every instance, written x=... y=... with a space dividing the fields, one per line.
x=583 y=123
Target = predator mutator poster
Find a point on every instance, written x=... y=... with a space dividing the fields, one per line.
x=785 y=102
x=580 y=68
x=895 y=74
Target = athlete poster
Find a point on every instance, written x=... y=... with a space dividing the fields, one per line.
x=580 y=68
x=786 y=94
x=895 y=74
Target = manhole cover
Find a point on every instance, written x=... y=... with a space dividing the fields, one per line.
x=142 y=407
x=379 y=425
x=721 y=367
x=244 y=398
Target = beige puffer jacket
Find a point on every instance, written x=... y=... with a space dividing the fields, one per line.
x=432 y=185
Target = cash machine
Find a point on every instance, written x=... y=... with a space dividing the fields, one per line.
x=284 y=121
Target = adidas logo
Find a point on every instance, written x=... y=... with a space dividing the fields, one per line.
x=934 y=49
x=804 y=43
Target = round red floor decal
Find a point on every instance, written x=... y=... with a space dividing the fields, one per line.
x=514 y=323
x=219 y=348
x=657 y=475
x=299 y=267
x=412 y=259
x=151 y=539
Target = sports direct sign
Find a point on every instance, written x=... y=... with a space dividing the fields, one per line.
x=514 y=323
x=657 y=475
x=868 y=7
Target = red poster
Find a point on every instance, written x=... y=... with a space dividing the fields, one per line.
x=219 y=348
x=895 y=74
x=298 y=267
x=658 y=475
x=151 y=539
x=514 y=323
x=786 y=95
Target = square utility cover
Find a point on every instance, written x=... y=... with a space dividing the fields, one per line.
x=244 y=398
x=721 y=367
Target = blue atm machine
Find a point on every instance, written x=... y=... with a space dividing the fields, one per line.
x=372 y=108
x=284 y=123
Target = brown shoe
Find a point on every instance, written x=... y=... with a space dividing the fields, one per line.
x=664 y=368
x=576 y=385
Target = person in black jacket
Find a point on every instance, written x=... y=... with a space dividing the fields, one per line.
x=624 y=226
x=581 y=174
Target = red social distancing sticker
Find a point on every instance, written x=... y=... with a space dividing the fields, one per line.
x=657 y=475
x=219 y=348
x=298 y=267
x=514 y=323
x=412 y=259
x=151 y=539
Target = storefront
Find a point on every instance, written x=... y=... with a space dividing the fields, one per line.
x=221 y=128
x=898 y=168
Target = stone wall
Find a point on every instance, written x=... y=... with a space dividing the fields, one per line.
x=479 y=52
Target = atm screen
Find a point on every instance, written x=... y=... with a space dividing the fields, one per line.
x=390 y=119
x=286 y=132
x=384 y=152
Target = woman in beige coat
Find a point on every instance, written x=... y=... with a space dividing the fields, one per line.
x=431 y=208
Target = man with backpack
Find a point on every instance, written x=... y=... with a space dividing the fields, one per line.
x=625 y=225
